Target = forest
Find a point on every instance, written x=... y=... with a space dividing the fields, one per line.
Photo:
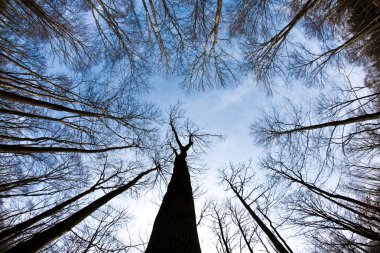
x=110 y=111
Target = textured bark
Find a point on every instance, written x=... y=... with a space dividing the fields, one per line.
x=175 y=229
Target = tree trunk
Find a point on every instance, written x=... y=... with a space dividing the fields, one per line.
x=22 y=149
x=175 y=229
x=40 y=240
x=271 y=236
x=335 y=123
x=25 y=224
x=35 y=102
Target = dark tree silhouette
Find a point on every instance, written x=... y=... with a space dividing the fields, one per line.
x=222 y=230
x=41 y=239
x=14 y=231
x=239 y=179
x=327 y=167
x=52 y=123
x=175 y=226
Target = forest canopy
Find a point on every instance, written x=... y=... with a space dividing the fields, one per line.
x=78 y=127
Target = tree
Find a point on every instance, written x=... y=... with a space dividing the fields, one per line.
x=222 y=229
x=20 y=227
x=39 y=240
x=350 y=222
x=239 y=179
x=53 y=126
x=175 y=226
x=73 y=75
x=97 y=233
x=342 y=30
x=330 y=165
x=189 y=37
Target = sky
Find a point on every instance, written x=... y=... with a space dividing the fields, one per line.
x=228 y=112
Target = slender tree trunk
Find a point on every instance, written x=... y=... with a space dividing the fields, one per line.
x=30 y=115
x=35 y=102
x=271 y=236
x=22 y=149
x=175 y=229
x=39 y=240
x=326 y=194
x=17 y=229
x=222 y=238
x=357 y=119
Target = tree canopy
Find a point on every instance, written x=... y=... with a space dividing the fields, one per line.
x=77 y=126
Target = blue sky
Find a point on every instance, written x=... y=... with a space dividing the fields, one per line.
x=228 y=112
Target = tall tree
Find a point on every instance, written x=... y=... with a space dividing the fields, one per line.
x=19 y=228
x=242 y=182
x=330 y=163
x=55 y=121
x=41 y=239
x=52 y=124
x=175 y=226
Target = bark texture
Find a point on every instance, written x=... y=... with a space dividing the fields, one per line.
x=175 y=229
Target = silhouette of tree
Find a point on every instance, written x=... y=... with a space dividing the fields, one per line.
x=175 y=226
x=73 y=75
x=39 y=240
x=240 y=180
x=328 y=166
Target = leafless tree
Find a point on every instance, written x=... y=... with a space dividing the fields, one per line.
x=329 y=166
x=97 y=233
x=241 y=181
x=223 y=231
x=41 y=239
x=341 y=29
x=175 y=226
x=72 y=74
